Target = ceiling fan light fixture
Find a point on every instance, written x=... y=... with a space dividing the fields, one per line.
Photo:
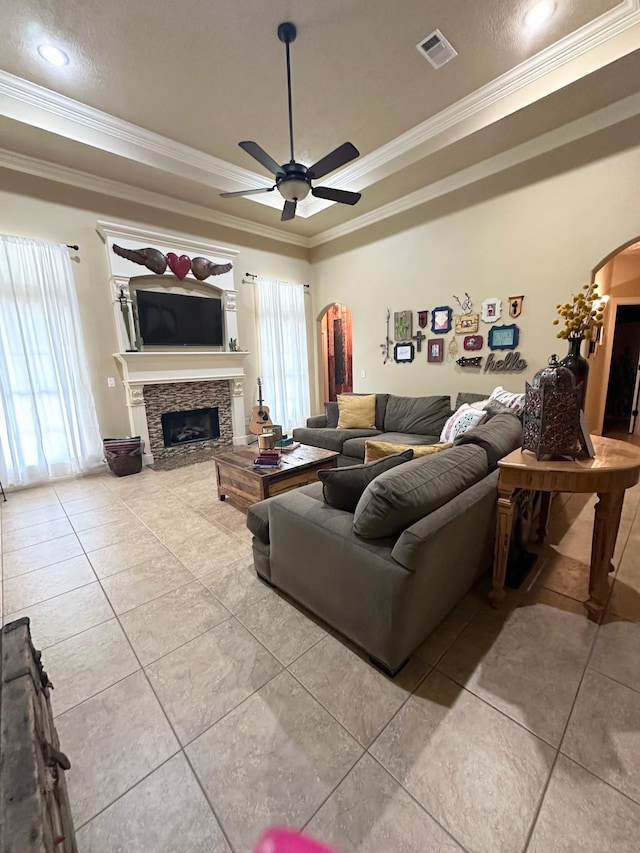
x=53 y=55
x=294 y=189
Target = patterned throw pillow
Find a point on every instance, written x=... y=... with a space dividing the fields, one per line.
x=356 y=411
x=464 y=419
x=515 y=402
x=379 y=449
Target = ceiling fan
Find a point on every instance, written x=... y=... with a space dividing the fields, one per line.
x=293 y=179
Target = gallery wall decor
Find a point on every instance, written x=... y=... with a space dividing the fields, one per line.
x=466 y=305
x=435 y=350
x=473 y=342
x=491 y=309
x=386 y=346
x=504 y=337
x=403 y=353
x=466 y=324
x=422 y=319
x=418 y=338
x=473 y=361
x=515 y=306
x=452 y=349
x=511 y=363
x=403 y=325
x=180 y=266
x=441 y=320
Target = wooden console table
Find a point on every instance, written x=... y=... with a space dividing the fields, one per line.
x=616 y=467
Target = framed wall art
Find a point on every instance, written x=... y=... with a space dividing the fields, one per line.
x=441 y=320
x=466 y=324
x=435 y=350
x=491 y=310
x=403 y=353
x=473 y=342
x=515 y=306
x=504 y=337
x=403 y=325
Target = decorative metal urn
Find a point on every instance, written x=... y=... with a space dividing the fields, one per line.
x=552 y=413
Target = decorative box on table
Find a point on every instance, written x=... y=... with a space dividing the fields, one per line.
x=552 y=413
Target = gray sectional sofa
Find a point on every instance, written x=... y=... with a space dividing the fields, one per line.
x=401 y=420
x=386 y=574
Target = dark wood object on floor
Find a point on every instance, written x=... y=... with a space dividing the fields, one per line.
x=237 y=477
x=615 y=468
x=35 y=816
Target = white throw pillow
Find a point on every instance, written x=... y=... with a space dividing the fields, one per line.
x=515 y=402
x=461 y=421
x=480 y=405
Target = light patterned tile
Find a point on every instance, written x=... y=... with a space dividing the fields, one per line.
x=35 y=535
x=617 y=651
x=102 y=515
x=101 y=500
x=125 y=555
x=204 y=679
x=145 y=582
x=115 y=739
x=165 y=813
x=40 y=555
x=31 y=588
x=478 y=773
x=273 y=760
x=283 y=629
x=165 y=623
x=236 y=585
x=22 y=520
x=202 y=556
x=110 y=534
x=87 y=663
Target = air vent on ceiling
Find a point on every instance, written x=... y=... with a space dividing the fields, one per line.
x=436 y=49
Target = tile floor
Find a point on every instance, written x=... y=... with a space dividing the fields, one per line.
x=198 y=706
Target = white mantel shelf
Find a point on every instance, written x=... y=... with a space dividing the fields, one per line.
x=153 y=367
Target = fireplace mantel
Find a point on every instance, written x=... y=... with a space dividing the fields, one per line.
x=153 y=367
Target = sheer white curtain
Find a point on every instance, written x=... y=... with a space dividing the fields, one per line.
x=283 y=351
x=48 y=424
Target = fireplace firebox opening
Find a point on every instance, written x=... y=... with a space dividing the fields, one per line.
x=189 y=426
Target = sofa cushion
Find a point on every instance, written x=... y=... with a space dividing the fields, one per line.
x=375 y=449
x=356 y=446
x=468 y=397
x=465 y=418
x=418 y=415
x=356 y=411
x=498 y=437
x=342 y=487
x=330 y=439
x=258 y=520
x=400 y=497
x=331 y=411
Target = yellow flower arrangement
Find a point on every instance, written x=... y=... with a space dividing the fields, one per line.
x=582 y=315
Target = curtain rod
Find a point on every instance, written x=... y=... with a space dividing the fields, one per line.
x=252 y=277
x=71 y=246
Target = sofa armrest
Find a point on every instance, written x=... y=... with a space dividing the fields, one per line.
x=317 y=422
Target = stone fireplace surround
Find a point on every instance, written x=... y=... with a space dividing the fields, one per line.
x=170 y=380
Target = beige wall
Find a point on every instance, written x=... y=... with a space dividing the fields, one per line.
x=541 y=240
x=44 y=211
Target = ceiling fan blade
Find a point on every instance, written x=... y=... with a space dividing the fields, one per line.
x=247 y=192
x=331 y=194
x=338 y=157
x=261 y=156
x=288 y=211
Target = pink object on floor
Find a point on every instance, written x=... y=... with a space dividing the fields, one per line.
x=281 y=840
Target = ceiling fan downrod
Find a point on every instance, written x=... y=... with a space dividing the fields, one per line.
x=287 y=33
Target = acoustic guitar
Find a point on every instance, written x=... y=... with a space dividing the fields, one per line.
x=259 y=414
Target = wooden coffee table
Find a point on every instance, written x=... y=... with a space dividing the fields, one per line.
x=238 y=478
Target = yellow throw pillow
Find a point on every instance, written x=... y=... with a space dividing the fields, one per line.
x=378 y=449
x=356 y=411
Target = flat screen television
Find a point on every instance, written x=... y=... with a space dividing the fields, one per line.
x=174 y=319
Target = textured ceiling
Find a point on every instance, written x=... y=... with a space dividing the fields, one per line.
x=208 y=74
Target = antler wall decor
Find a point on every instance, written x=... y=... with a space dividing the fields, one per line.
x=157 y=262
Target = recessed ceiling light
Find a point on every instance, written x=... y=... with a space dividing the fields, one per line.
x=539 y=14
x=53 y=55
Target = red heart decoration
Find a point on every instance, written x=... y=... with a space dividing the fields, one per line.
x=179 y=266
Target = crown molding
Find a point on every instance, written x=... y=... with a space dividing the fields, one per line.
x=173 y=240
x=570 y=132
x=604 y=39
x=105 y=186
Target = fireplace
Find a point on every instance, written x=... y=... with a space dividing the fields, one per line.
x=186 y=427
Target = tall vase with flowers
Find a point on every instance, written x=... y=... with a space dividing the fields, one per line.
x=582 y=318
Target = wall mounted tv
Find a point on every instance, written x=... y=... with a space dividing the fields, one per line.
x=174 y=319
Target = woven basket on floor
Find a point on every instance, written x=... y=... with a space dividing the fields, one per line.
x=123 y=455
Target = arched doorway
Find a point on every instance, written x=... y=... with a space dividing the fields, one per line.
x=337 y=346
x=613 y=390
